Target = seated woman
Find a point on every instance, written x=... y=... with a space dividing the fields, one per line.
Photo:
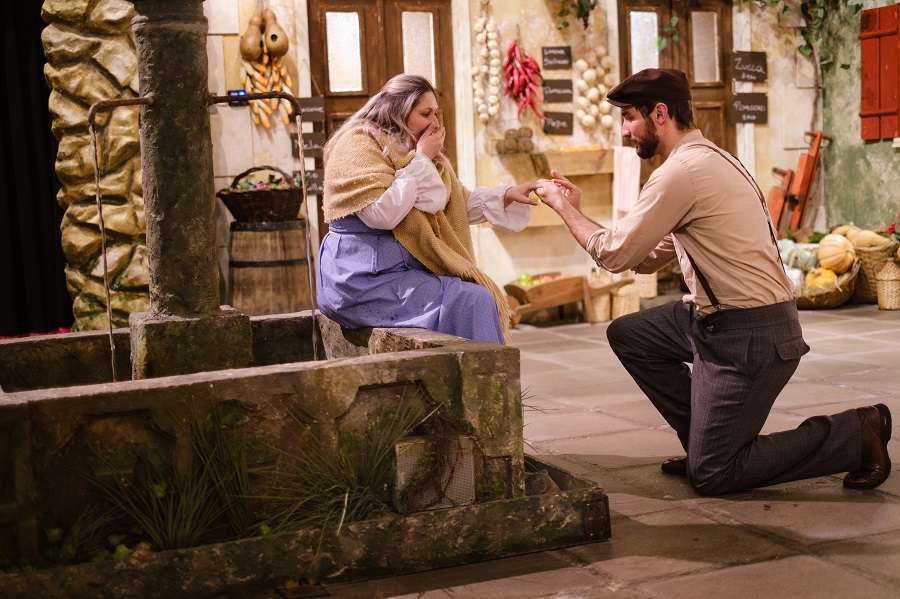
x=399 y=251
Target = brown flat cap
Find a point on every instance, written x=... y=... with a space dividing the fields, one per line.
x=650 y=85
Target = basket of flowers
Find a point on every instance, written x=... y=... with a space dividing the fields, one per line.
x=276 y=198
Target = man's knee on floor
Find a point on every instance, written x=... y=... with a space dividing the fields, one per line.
x=709 y=481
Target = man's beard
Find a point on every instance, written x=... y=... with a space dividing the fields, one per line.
x=646 y=147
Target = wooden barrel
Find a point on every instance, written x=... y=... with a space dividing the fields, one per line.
x=268 y=268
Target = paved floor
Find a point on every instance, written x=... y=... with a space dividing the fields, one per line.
x=811 y=538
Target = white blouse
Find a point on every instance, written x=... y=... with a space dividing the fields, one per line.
x=418 y=185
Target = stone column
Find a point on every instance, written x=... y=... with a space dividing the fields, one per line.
x=185 y=330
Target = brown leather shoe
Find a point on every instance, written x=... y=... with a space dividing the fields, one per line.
x=675 y=466
x=875 y=464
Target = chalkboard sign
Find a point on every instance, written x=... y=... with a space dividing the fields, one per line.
x=313 y=144
x=312 y=109
x=750 y=108
x=750 y=66
x=315 y=181
x=558 y=123
x=557 y=90
x=557 y=57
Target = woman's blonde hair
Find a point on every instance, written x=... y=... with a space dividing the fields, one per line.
x=387 y=112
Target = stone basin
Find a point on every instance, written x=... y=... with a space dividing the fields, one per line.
x=61 y=414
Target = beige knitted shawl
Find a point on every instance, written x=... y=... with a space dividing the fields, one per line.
x=359 y=171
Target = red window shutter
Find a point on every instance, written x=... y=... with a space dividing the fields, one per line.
x=879 y=34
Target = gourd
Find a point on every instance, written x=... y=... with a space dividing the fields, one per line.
x=805 y=258
x=843 y=229
x=867 y=238
x=836 y=253
x=820 y=277
x=251 y=42
x=786 y=249
x=276 y=39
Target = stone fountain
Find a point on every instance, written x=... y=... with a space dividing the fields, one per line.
x=63 y=413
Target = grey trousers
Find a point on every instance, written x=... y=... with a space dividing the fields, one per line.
x=740 y=361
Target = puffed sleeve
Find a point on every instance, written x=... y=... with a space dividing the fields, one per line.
x=486 y=205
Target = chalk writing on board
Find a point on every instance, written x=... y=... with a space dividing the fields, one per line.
x=750 y=108
x=556 y=57
x=749 y=66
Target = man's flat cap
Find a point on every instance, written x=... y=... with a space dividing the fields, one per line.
x=650 y=85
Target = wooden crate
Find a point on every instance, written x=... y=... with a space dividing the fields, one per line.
x=558 y=292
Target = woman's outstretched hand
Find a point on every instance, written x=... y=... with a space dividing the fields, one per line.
x=520 y=193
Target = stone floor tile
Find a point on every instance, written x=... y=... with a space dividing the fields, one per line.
x=641 y=412
x=850 y=344
x=878 y=555
x=791 y=578
x=594 y=396
x=637 y=446
x=631 y=504
x=673 y=542
x=543 y=427
x=817 y=367
x=813 y=511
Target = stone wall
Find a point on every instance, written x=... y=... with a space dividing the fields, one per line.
x=861 y=177
x=91 y=57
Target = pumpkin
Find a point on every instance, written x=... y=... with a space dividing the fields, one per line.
x=819 y=277
x=836 y=253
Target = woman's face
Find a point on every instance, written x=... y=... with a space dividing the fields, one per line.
x=423 y=115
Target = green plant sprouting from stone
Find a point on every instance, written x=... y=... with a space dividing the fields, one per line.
x=318 y=483
x=322 y=483
x=175 y=509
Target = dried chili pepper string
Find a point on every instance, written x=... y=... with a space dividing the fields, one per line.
x=522 y=74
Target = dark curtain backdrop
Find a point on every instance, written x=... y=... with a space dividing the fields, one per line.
x=33 y=296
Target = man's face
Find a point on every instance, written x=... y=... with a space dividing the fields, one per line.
x=641 y=131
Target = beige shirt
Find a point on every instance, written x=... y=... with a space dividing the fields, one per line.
x=700 y=202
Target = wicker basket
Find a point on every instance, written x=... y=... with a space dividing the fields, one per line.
x=602 y=307
x=262 y=205
x=888 y=284
x=872 y=259
x=830 y=296
x=646 y=285
x=625 y=300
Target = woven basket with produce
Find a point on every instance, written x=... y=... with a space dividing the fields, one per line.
x=278 y=198
x=821 y=291
x=873 y=250
x=825 y=272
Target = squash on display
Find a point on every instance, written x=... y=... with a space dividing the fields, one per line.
x=836 y=253
x=819 y=277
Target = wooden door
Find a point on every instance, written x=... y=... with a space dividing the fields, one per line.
x=703 y=50
x=355 y=47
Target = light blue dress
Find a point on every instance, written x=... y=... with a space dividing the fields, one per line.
x=367 y=279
